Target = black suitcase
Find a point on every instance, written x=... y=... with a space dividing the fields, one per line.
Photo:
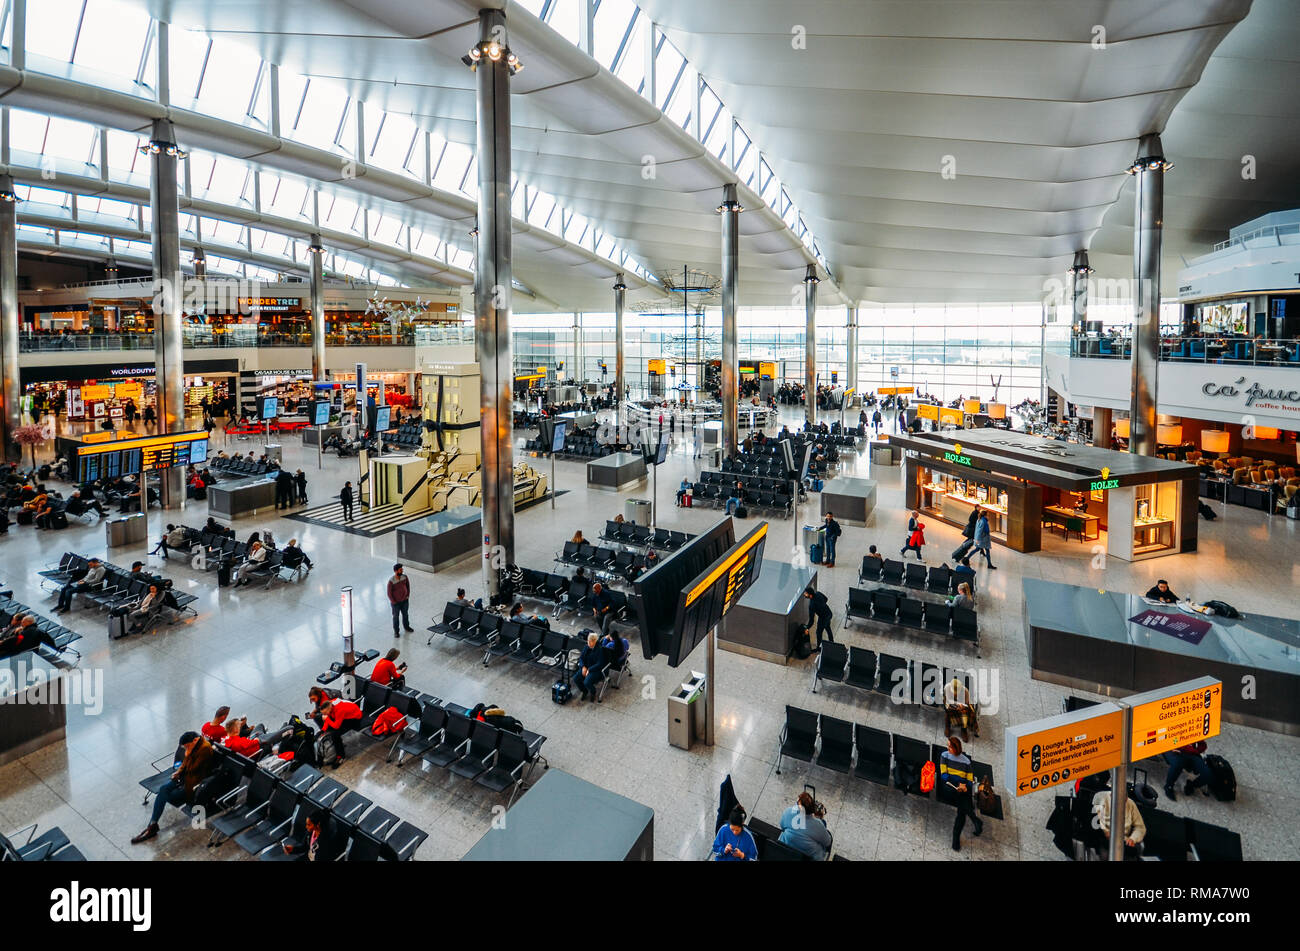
x=742 y=512
x=1223 y=781
x=223 y=574
x=116 y=626
x=26 y=517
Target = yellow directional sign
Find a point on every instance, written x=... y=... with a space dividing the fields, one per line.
x=1062 y=748
x=1175 y=716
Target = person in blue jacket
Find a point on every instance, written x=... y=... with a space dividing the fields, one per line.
x=804 y=829
x=733 y=842
x=984 y=541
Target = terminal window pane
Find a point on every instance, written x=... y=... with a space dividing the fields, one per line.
x=112 y=38
x=52 y=28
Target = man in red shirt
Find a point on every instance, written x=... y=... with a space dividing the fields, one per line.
x=399 y=596
x=238 y=739
x=214 y=731
x=339 y=717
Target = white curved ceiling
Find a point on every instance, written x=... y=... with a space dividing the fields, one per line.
x=1037 y=121
x=1039 y=124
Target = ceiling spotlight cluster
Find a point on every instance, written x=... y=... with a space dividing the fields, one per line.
x=493 y=51
x=1149 y=163
x=167 y=148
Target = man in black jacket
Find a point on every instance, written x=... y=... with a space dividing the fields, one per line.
x=819 y=613
x=833 y=532
x=967 y=533
x=284 y=489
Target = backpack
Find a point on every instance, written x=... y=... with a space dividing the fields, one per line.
x=985 y=797
x=1223 y=781
x=388 y=722
x=1223 y=609
x=927 y=777
x=802 y=645
x=561 y=692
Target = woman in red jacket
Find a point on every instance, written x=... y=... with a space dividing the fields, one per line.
x=387 y=671
x=339 y=717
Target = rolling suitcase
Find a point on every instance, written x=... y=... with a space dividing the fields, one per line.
x=1223 y=781
x=815 y=554
x=561 y=692
x=742 y=512
x=223 y=574
x=116 y=626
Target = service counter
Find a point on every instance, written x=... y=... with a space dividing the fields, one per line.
x=767 y=619
x=231 y=500
x=617 y=471
x=440 y=540
x=851 y=501
x=33 y=713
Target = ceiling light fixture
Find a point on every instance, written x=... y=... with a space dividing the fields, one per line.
x=168 y=148
x=494 y=51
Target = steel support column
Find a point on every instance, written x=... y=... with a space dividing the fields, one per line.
x=851 y=342
x=1079 y=272
x=169 y=293
x=316 y=251
x=620 y=391
x=11 y=393
x=810 y=343
x=493 y=64
x=729 y=209
x=1149 y=169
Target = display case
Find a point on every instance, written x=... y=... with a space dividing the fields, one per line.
x=953 y=497
x=1154 y=517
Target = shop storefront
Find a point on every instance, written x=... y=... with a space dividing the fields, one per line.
x=94 y=392
x=1137 y=506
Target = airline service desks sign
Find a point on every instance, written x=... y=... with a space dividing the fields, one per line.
x=1063 y=748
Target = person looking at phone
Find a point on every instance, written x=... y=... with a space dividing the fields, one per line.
x=734 y=843
x=803 y=828
x=388 y=670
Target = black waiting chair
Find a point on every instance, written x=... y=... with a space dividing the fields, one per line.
x=915 y=575
x=873 y=754
x=798 y=736
x=940 y=579
x=938 y=618
x=859 y=604
x=837 y=744
x=912 y=755
x=483 y=739
x=871 y=568
x=831 y=663
x=911 y=612
x=964 y=627
x=884 y=606
x=893 y=676
x=508 y=767
x=892 y=572
x=862 y=668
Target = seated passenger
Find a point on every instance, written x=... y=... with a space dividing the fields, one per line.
x=591 y=667
x=734 y=843
x=387 y=671
x=1135 y=829
x=79 y=505
x=148 y=606
x=958 y=709
x=338 y=717
x=1161 y=592
x=964 y=574
x=215 y=729
x=874 y=562
x=256 y=559
x=196 y=766
x=293 y=556
x=963 y=598
x=241 y=739
x=803 y=828
x=602 y=606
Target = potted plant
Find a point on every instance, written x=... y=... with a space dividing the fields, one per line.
x=30 y=435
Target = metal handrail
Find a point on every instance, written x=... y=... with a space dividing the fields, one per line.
x=1202 y=349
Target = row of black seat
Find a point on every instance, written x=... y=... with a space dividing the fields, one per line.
x=866 y=752
x=936 y=617
x=218 y=549
x=120 y=588
x=630 y=533
x=409 y=435
x=910 y=681
x=52 y=845
x=571 y=594
x=912 y=574
x=55 y=639
x=239 y=466
x=765 y=500
x=1169 y=838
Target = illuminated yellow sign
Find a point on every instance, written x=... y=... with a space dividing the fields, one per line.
x=658 y=366
x=733 y=567
x=145 y=443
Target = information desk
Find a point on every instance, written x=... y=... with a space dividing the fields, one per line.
x=1145 y=505
x=616 y=471
x=769 y=616
x=29 y=720
x=543 y=826
x=232 y=500
x=1082 y=637
x=442 y=539
x=850 y=500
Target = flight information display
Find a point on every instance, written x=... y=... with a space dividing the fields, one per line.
x=320 y=412
x=122 y=457
x=704 y=602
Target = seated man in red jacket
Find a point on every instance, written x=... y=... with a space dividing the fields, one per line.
x=240 y=738
x=337 y=718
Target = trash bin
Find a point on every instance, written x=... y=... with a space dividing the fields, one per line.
x=699 y=688
x=273 y=452
x=637 y=510
x=712 y=459
x=127 y=530
x=681 y=727
x=812 y=535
